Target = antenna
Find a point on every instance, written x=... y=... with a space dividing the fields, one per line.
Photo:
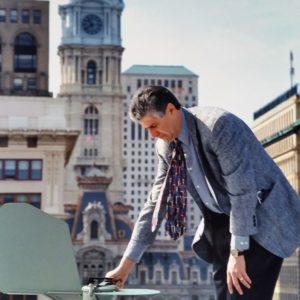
x=292 y=69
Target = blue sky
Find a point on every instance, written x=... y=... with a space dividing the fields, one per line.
x=239 y=48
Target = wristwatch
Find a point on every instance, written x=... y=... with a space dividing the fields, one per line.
x=236 y=252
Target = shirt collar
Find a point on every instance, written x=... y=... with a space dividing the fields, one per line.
x=183 y=136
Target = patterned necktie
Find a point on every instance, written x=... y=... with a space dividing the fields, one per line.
x=175 y=181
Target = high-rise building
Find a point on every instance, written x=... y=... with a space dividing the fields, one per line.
x=90 y=54
x=277 y=126
x=138 y=146
x=24 y=47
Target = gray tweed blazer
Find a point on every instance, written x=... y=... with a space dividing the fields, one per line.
x=239 y=170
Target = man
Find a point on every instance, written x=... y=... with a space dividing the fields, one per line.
x=251 y=214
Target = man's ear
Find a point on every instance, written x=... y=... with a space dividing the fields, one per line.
x=170 y=108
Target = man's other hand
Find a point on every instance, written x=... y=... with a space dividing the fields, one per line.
x=236 y=274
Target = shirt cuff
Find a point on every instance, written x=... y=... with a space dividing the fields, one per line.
x=239 y=242
x=135 y=250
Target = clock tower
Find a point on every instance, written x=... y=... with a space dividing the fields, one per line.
x=90 y=56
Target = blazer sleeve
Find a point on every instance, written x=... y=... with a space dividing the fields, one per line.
x=233 y=142
x=142 y=236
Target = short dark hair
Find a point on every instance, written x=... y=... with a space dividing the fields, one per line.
x=151 y=98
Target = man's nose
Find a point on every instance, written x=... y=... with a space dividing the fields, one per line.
x=153 y=133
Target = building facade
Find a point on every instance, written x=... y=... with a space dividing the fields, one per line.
x=277 y=126
x=35 y=146
x=90 y=55
x=24 y=47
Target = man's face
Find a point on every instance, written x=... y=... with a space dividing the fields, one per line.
x=165 y=127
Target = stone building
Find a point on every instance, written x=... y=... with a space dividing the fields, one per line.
x=35 y=146
x=277 y=126
x=90 y=55
x=24 y=47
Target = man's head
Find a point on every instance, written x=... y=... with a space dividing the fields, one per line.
x=158 y=111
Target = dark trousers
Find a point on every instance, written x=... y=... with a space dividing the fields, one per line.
x=262 y=266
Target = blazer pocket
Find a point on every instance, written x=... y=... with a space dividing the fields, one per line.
x=263 y=194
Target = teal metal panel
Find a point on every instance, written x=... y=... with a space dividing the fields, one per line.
x=36 y=257
x=36 y=252
x=159 y=70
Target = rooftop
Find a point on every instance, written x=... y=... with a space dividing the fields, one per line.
x=295 y=90
x=159 y=70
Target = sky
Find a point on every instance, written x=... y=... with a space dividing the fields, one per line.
x=240 y=49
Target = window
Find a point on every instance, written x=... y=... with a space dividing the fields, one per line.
x=121 y=233
x=194 y=277
x=13 y=16
x=158 y=277
x=9 y=169
x=3 y=141
x=174 y=277
x=139 y=83
x=18 y=84
x=172 y=84
x=91 y=121
x=33 y=199
x=24 y=169
x=25 y=53
x=31 y=84
x=36 y=169
x=91 y=72
x=2 y=15
x=37 y=17
x=166 y=83
x=179 y=84
x=142 y=275
x=94 y=230
x=32 y=142
x=25 y=16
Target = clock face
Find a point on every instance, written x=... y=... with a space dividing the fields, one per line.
x=91 y=24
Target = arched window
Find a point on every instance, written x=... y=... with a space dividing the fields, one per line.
x=94 y=230
x=25 y=53
x=91 y=121
x=91 y=73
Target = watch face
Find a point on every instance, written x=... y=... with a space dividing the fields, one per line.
x=91 y=24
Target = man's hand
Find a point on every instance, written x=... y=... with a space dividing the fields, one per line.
x=236 y=274
x=121 y=272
